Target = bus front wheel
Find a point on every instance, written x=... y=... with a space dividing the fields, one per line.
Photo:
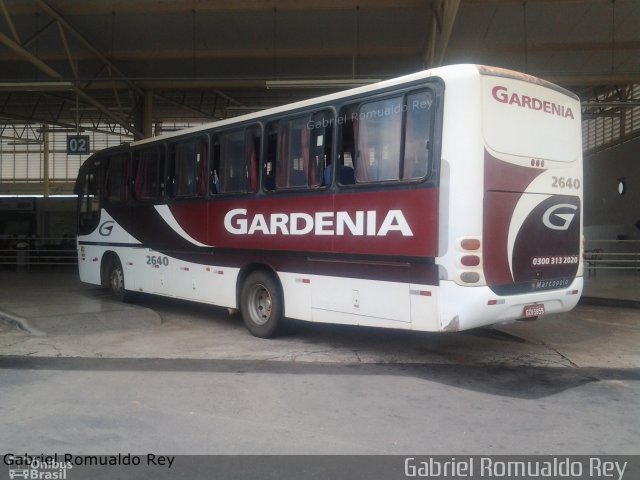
x=116 y=281
x=261 y=304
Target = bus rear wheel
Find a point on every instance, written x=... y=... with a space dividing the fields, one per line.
x=261 y=304
x=116 y=281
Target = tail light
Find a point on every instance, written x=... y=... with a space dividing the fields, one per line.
x=471 y=259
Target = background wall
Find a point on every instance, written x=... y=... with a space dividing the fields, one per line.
x=608 y=214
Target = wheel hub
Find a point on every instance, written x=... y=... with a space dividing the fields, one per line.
x=261 y=305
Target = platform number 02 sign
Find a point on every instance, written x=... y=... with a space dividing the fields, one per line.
x=78 y=145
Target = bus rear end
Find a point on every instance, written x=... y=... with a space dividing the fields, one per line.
x=520 y=257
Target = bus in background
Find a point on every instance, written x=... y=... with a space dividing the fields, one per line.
x=439 y=201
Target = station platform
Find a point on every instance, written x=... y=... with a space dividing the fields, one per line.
x=49 y=312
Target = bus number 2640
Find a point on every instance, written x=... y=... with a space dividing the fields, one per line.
x=157 y=261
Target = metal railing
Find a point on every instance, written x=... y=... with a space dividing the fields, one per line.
x=27 y=251
x=612 y=255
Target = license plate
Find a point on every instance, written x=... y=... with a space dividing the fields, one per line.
x=533 y=310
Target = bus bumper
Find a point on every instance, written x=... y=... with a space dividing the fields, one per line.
x=462 y=308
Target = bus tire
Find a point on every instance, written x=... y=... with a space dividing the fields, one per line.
x=116 y=281
x=261 y=304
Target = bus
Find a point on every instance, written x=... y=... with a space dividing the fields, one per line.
x=440 y=201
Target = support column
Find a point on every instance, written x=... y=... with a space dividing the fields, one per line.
x=147 y=114
x=45 y=160
x=444 y=17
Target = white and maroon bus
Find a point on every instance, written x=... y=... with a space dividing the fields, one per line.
x=439 y=201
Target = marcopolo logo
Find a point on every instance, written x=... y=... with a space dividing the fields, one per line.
x=559 y=217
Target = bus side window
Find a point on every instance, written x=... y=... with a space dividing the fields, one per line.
x=293 y=154
x=115 y=185
x=90 y=196
x=320 y=161
x=214 y=167
x=378 y=141
x=298 y=151
x=371 y=139
x=346 y=146
x=418 y=134
x=233 y=178
x=186 y=177
x=92 y=191
x=148 y=172
x=239 y=152
x=269 y=172
x=252 y=146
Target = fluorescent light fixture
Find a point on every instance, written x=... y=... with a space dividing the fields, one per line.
x=326 y=83
x=26 y=195
x=19 y=141
x=35 y=86
x=625 y=104
x=246 y=108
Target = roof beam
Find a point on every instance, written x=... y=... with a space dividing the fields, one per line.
x=577 y=80
x=26 y=55
x=342 y=51
x=7 y=17
x=56 y=16
x=546 y=47
x=626 y=104
x=143 y=7
x=241 y=53
x=259 y=83
x=40 y=65
x=518 y=3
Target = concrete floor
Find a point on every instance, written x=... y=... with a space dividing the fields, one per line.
x=238 y=407
x=81 y=373
x=613 y=284
x=59 y=316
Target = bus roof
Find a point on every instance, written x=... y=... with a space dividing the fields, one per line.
x=446 y=71
x=440 y=71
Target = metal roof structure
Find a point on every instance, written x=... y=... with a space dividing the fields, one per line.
x=132 y=64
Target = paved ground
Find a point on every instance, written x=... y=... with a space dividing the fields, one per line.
x=238 y=407
x=93 y=376
x=67 y=318
x=614 y=284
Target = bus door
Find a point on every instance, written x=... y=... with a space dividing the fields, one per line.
x=89 y=190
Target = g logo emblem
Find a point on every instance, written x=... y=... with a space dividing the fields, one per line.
x=106 y=228
x=550 y=218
